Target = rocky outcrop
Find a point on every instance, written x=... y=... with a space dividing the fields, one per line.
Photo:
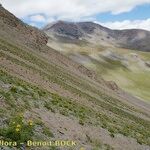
x=86 y=72
x=30 y=35
x=112 y=85
x=147 y=64
x=65 y=29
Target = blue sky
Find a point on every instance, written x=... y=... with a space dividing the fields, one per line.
x=116 y=14
x=138 y=13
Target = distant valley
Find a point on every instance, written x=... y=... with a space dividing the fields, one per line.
x=119 y=55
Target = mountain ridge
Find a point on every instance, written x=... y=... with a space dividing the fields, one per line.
x=129 y=38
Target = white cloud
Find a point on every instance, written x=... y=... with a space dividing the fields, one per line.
x=69 y=9
x=37 y=18
x=127 y=24
x=75 y=10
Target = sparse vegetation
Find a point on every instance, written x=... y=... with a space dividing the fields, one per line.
x=133 y=126
x=47 y=132
x=34 y=84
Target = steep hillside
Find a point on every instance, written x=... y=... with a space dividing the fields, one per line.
x=46 y=96
x=98 y=48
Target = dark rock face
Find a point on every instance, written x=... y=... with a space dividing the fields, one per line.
x=147 y=64
x=132 y=39
x=86 y=72
x=31 y=35
x=112 y=85
x=87 y=27
x=67 y=29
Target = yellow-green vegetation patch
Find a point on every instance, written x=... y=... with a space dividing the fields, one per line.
x=18 y=130
x=122 y=122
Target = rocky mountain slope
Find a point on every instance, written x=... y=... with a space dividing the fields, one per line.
x=97 y=34
x=99 y=48
x=45 y=96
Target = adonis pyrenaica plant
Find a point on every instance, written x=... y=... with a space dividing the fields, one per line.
x=18 y=129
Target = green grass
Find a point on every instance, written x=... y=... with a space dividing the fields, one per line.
x=47 y=132
x=134 y=81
